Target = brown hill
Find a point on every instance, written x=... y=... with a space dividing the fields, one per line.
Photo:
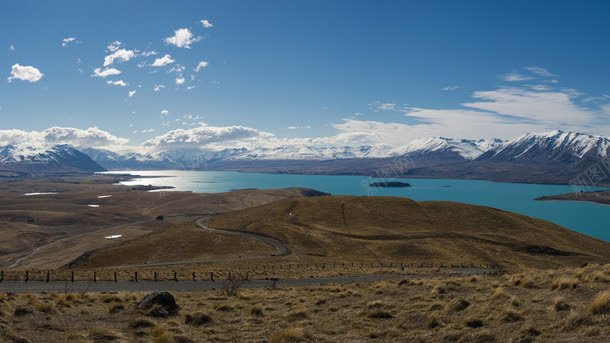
x=348 y=227
x=366 y=229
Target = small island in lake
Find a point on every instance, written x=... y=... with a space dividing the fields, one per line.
x=390 y=184
x=600 y=197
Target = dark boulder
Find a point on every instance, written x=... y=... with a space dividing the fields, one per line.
x=159 y=304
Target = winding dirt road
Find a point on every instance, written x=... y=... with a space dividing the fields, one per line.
x=280 y=248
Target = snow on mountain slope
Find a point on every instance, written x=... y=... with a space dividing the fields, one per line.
x=554 y=145
x=57 y=158
x=465 y=148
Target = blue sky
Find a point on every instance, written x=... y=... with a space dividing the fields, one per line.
x=323 y=72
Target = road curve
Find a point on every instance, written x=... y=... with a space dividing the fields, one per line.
x=190 y=286
x=280 y=248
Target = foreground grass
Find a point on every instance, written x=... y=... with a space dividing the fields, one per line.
x=541 y=306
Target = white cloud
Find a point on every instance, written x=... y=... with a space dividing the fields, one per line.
x=540 y=71
x=164 y=112
x=98 y=72
x=122 y=55
x=114 y=46
x=386 y=106
x=201 y=65
x=163 y=61
x=182 y=38
x=179 y=80
x=549 y=107
x=206 y=24
x=25 y=73
x=91 y=137
x=450 y=88
x=148 y=53
x=515 y=77
x=67 y=41
x=158 y=88
x=203 y=135
x=117 y=83
x=299 y=127
x=131 y=93
x=178 y=68
x=11 y=48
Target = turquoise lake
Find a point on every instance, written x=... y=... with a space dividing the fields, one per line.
x=589 y=218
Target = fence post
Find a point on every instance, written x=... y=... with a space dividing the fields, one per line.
x=27 y=276
x=175 y=276
x=194 y=276
x=229 y=275
x=136 y=276
x=71 y=276
x=94 y=276
x=48 y=276
x=211 y=276
x=1 y=275
x=115 y=278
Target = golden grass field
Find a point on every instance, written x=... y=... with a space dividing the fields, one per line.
x=348 y=229
x=559 y=305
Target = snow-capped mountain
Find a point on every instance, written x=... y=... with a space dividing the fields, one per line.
x=567 y=147
x=55 y=159
x=447 y=148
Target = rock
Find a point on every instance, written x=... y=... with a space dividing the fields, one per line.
x=159 y=304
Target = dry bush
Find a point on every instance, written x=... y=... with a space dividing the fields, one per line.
x=141 y=323
x=564 y=283
x=601 y=304
x=289 y=335
x=380 y=314
x=499 y=293
x=257 y=311
x=115 y=307
x=198 y=319
x=457 y=305
x=432 y=321
x=559 y=304
x=510 y=316
x=438 y=289
x=44 y=308
x=576 y=320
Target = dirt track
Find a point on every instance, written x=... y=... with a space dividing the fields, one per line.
x=280 y=248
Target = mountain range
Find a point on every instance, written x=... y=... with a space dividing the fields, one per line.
x=551 y=157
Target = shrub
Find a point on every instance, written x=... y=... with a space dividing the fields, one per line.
x=457 y=305
x=601 y=304
x=257 y=311
x=474 y=323
x=141 y=323
x=380 y=315
x=560 y=305
x=115 y=308
x=432 y=320
x=197 y=319
x=288 y=335
x=564 y=283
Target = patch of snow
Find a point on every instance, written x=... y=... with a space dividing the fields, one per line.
x=39 y=193
x=104 y=196
x=113 y=236
x=93 y=205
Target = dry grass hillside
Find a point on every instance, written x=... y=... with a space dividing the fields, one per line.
x=336 y=229
x=348 y=227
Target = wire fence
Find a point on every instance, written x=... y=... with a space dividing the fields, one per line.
x=266 y=271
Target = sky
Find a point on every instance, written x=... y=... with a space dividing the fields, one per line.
x=211 y=74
